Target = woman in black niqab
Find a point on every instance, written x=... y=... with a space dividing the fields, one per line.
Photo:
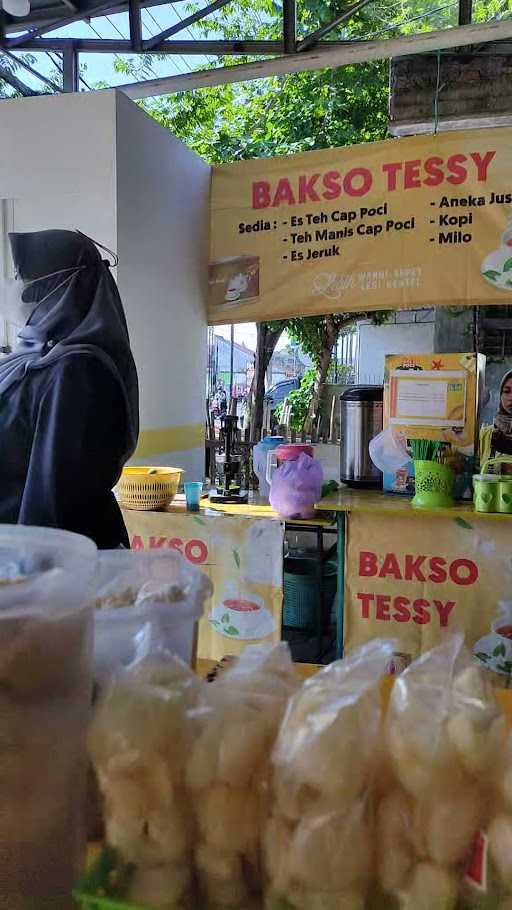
x=68 y=393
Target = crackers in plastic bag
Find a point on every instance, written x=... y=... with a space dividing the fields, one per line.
x=319 y=839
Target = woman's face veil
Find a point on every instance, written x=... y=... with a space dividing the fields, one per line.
x=43 y=262
x=13 y=308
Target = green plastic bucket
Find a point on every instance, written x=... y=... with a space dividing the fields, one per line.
x=301 y=593
x=434 y=485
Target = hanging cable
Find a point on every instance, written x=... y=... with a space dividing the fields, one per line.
x=438 y=91
x=391 y=27
x=114 y=26
x=151 y=35
x=160 y=29
x=180 y=17
x=117 y=56
x=119 y=32
x=56 y=62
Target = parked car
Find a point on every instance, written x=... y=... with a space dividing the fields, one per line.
x=278 y=392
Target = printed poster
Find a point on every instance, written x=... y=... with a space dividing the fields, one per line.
x=431 y=399
x=243 y=558
x=416 y=579
x=415 y=222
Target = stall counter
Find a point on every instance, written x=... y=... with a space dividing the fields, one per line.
x=240 y=547
x=407 y=573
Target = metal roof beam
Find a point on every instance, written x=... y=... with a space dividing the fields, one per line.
x=60 y=23
x=118 y=46
x=155 y=42
x=48 y=14
x=16 y=83
x=135 y=25
x=30 y=69
x=312 y=39
x=70 y=71
x=289 y=26
x=324 y=58
x=465 y=12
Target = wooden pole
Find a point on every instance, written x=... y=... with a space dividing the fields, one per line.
x=323 y=58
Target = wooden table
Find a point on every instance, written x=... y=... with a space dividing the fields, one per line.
x=203 y=667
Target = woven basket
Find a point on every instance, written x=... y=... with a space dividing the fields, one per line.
x=434 y=485
x=148 y=489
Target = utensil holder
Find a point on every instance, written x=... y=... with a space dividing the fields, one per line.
x=434 y=485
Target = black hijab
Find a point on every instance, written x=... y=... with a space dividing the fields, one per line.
x=506 y=378
x=77 y=310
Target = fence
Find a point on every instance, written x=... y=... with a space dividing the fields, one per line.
x=345 y=357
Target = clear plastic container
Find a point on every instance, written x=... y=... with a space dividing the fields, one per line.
x=154 y=593
x=46 y=629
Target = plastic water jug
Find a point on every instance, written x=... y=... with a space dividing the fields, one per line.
x=260 y=454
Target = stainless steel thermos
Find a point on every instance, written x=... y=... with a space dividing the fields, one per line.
x=360 y=421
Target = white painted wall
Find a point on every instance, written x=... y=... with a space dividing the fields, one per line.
x=375 y=341
x=57 y=163
x=96 y=162
x=57 y=169
x=162 y=224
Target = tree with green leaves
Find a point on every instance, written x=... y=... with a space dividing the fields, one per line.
x=284 y=115
x=318 y=337
x=268 y=334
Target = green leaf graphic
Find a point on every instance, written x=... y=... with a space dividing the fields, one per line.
x=462 y=523
x=508 y=265
x=236 y=557
x=499 y=651
x=482 y=656
x=225 y=617
x=215 y=622
x=200 y=521
x=231 y=630
x=505 y=667
x=491 y=275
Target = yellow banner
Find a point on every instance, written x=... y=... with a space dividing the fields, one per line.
x=243 y=559
x=414 y=580
x=416 y=222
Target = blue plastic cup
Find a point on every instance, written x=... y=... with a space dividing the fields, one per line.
x=193 y=490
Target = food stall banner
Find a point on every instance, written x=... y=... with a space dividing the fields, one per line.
x=417 y=222
x=416 y=579
x=243 y=558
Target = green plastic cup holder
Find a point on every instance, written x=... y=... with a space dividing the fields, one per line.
x=486 y=493
x=434 y=485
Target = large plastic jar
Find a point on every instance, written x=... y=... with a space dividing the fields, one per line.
x=46 y=632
